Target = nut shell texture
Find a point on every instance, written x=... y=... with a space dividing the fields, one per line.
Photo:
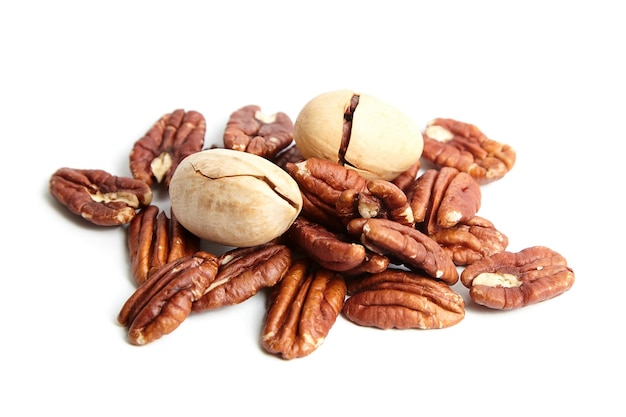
x=376 y=139
x=233 y=198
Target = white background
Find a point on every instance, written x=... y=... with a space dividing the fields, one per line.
x=81 y=82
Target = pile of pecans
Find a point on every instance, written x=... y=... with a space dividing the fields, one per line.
x=381 y=253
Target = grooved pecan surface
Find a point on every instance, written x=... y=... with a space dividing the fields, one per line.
x=250 y=130
x=406 y=245
x=165 y=299
x=451 y=143
x=509 y=280
x=302 y=310
x=154 y=240
x=403 y=300
x=172 y=138
x=242 y=273
x=98 y=196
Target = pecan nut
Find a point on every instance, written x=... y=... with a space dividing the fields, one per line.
x=443 y=198
x=242 y=273
x=250 y=130
x=98 y=196
x=407 y=245
x=471 y=241
x=164 y=301
x=171 y=139
x=402 y=300
x=448 y=142
x=302 y=310
x=509 y=280
x=154 y=240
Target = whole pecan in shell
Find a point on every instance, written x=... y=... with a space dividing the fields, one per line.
x=403 y=300
x=98 y=196
x=509 y=280
x=302 y=310
x=171 y=139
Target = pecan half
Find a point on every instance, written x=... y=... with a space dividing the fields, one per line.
x=302 y=310
x=98 y=196
x=470 y=241
x=509 y=280
x=165 y=300
x=242 y=273
x=443 y=198
x=172 y=138
x=406 y=245
x=402 y=300
x=250 y=130
x=154 y=240
x=451 y=143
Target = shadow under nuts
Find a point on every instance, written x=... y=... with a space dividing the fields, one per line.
x=360 y=132
x=233 y=198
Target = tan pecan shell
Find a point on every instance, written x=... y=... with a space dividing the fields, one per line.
x=242 y=273
x=509 y=280
x=403 y=300
x=98 y=196
x=172 y=138
x=164 y=301
x=302 y=310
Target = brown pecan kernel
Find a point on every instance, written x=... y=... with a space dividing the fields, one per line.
x=242 y=273
x=443 y=198
x=470 y=241
x=406 y=245
x=325 y=247
x=302 y=310
x=154 y=240
x=509 y=280
x=452 y=143
x=250 y=130
x=99 y=197
x=402 y=300
x=172 y=138
x=165 y=299
x=321 y=183
x=404 y=181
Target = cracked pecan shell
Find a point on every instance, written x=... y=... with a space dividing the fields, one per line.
x=509 y=280
x=171 y=139
x=98 y=196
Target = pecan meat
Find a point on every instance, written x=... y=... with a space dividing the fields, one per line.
x=406 y=245
x=250 y=130
x=242 y=273
x=509 y=280
x=403 y=300
x=171 y=139
x=451 y=143
x=165 y=299
x=154 y=240
x=471 y=241
x=302 y=310
x=98 y=196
